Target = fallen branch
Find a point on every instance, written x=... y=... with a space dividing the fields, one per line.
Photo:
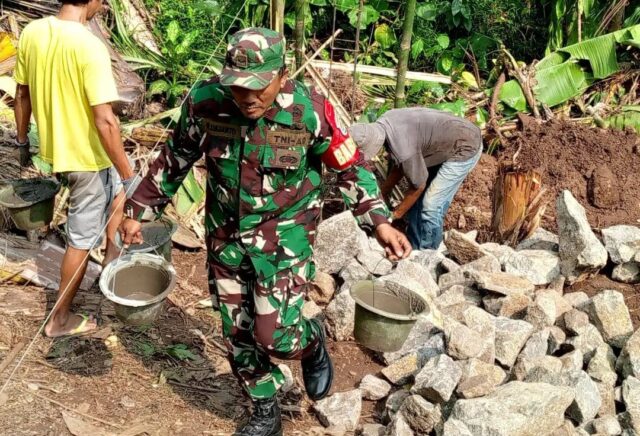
x=70 y=409
x=524 y=83
x=11 y=356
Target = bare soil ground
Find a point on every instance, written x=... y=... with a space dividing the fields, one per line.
x=138 y=381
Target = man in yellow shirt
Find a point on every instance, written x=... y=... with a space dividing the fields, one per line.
x=64 y=78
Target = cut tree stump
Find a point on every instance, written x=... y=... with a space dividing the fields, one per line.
x=518 y=204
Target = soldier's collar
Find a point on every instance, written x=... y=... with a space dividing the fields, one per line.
x=278 y=112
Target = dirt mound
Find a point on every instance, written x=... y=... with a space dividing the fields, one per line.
x=598 y=166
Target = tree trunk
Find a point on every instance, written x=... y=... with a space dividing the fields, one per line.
x=405 y=49
x=518 y=204
x=277 y=16
x=301 y=7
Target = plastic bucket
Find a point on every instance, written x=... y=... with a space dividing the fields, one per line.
x=385 y=314
x=157 y=238
x=30 y=202
x=138 y=284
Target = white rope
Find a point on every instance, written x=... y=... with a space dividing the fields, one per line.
x=93 y=244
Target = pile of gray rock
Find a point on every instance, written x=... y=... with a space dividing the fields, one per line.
x=502 y=349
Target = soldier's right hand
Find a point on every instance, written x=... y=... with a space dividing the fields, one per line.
x=130 y=231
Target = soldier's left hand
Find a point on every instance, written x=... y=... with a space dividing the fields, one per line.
x=395 y=243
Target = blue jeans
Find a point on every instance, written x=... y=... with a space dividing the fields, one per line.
x=426 y=216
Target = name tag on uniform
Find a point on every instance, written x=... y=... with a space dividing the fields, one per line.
x=288 y=138
x=222 y=130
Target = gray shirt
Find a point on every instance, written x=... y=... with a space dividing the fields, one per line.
x=419 y=138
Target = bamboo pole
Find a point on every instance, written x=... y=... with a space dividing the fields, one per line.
x=277 y=16
x=405 y=48
x=301 y=6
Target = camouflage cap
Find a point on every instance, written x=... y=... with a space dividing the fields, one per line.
x=254 y=57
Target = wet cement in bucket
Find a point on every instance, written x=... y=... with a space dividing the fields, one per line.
x=380 y=298
x=22 y=193
x=139 y=282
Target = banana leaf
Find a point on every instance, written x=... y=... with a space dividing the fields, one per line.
x=190 y=196
x=567 y=72
x=511 y=94
x=629 y=118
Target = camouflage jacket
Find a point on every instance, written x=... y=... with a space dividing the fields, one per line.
x=264 y=176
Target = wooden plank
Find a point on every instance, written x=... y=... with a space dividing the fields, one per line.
x=381 y=71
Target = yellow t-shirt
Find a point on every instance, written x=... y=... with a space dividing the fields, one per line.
x=68 y=70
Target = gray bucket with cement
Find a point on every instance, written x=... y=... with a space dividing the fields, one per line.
x=156 y=236
x=138 y=285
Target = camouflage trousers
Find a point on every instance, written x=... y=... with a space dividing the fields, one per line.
x=263 y=319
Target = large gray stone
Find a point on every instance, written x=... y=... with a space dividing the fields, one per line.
x=340 y=411
x=372 y=430
x=461 y=248
x=453 y=427
x=541 y=239
x=573 y=360
x=479 y=379
x=628 y=272
x=500 y=252
x=542 y=313
x=587 y=400
x=622 y=242
x=561 y=304
x=607 y=425
x=458 y=295
x=580 y=250
x=486 y=264
x=602 y=365
x=526 y=366
x=511 y=335
x=423 y=338
x=420 y=274
x=537 y=345
x=337 y=242
x=514 y=306
x=631 y=393
x=577 y=300
x=607 y=394
x=458 y=277
x=461 y=342
x=437 y=380
x=402 y=370
x=353 y=272
x=311 y=310
x=375 y=262
x=610 y=315
x=566 y=429
x=481 y=322
x=557 y=337
x=341 y=314
x=430 y=259
x=541 y=267
x=393 y=404
x=628 y=363
x=374 y=388
x=503 y=283
x=515 y=409
x=587 y=340
x=399 y=427
x=324 y=288
x=575 y=320
x=421 y=415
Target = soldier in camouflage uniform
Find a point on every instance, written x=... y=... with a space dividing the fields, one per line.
x=264 y=138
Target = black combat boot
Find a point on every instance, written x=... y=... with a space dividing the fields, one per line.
x=317 y=369
x=265 y=419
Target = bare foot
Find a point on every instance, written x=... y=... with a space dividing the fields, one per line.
x=76 y=324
